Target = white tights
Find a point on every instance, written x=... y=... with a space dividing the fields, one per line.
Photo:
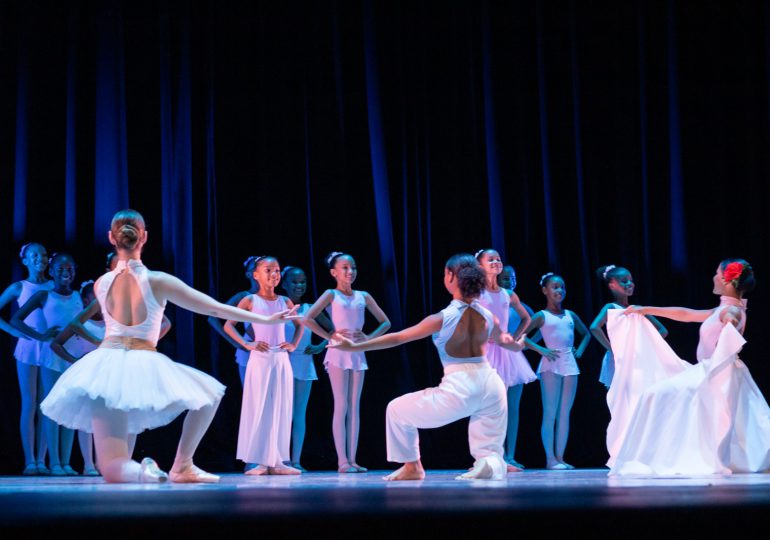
x=346 y=388
x=30 y=388
x=59 y=439
x=558 y=393
x=301 y=398
x=514 y=398
x=112 y=443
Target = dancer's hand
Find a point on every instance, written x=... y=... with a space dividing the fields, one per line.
x=575 y=353
x=550 y=354
x=514 y=344
x=288 y=347
x=260 y=346
x=338 y=341
x=356 y=336
x=51 y=333
x=315 y=349
x=641 y=310
x=285 y=315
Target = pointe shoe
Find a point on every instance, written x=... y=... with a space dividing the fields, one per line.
x=30 y=470
x=70 y=471
x=42 y=470
x=151 y=473
x=91 y=471
x=347 y=468
x=359 y=468
x=193 y=475
x=57 y=470
x=283 y=470
x=257 y=470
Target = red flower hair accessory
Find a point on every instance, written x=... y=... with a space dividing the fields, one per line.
x=732 y=271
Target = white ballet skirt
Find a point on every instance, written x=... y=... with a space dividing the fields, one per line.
x=709 y=419
x=146 y=385
x=512 y=366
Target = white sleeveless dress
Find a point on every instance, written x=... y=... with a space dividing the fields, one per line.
x=146 y=385
x=27 y=351
x=346 y=313
x=559 y=335
x=58 y=310
x=709 y=419
x=512 y=366
x=268 y=393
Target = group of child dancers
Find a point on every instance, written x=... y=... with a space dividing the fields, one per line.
x=94 y=352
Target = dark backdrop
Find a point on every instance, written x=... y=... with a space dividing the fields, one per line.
x=565 y=134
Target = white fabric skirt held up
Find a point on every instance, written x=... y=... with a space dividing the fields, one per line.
x=265 y=427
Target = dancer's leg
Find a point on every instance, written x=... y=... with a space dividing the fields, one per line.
x=242 y=373
x=49 y=378
x=486 y=430
x=27 y=375
x=131 y=444
x=301 y=398
x=356 y=384
x=110 y=434
x=568 y=390
x=195 y=425
x=550 y=389
x=86 y=443
x=513 y=395
x=339 y=379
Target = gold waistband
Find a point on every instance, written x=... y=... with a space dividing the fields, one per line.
x=127 y=343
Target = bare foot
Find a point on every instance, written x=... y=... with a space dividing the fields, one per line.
x=407 y=472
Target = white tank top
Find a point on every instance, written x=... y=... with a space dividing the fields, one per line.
x=451 y=317
x=347 y=312
x=272 y=334
x=149 y=328
x=558 y=331
x=36 y=319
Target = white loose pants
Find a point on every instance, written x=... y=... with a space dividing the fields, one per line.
x=474 y=390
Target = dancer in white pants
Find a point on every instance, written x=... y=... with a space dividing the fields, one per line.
x=470 y=387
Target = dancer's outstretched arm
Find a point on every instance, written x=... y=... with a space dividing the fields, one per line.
x=681 y=314
x=167 y=287
x=428 y=326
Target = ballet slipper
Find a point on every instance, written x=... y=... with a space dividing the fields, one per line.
x=91 y=471
x=151 y=473
x=70 y=471
x=257 y=470
x=30 y=470
x=515 y=464
x=402 y=474
x=283 y=470
x=359 y=468
x=557 y=467
x=509 y=467
x=193 y=475
x=347 y=468
x=249 y=466
x=569 y=467
x=299 y=467
x=484 y=469
x=57 y=470
x=42 y=469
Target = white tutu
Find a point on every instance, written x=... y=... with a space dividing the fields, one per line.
x=345 y=360
x=147 y=385
x=512 y=366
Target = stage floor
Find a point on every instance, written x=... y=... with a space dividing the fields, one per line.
x=326 y=503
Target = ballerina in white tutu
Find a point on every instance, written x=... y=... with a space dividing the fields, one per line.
x=125 y=386
x=708 y=418
x=512 y=367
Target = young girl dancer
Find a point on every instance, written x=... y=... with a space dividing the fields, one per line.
x=241 y=354
x=125 y=386
x=558 y=369
x=81 y=336
x=346 y=369
x=58 y=306
x=621 y=285
x=294 y=282
x=27 y=354
x=512 y=367
x=710 y=418
x=470 y=386
x=265 y=428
